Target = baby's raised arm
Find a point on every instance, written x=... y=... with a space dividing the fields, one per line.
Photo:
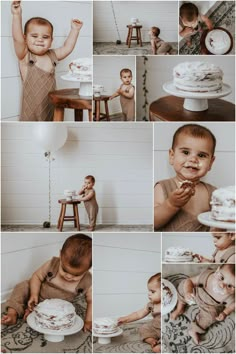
x=207 y=21
x=226 y=312
x=134 y=316
x=87 y=197
x=17 y=32
x=35 y=284
x=71 y=40
x=128 y=93
x=116 y=94
x=189 y=286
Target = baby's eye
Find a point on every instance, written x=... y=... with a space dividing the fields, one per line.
x=45 y=37
x=34 y=35
x=202 y=155
x=185 y=152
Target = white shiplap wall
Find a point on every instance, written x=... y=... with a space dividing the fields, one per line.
x=60 y=14
x=122 y=265
x=28 y=251
x=118 y=155
x=160 y=71
x=163 y=14
x=107 y=73
x=223 y=169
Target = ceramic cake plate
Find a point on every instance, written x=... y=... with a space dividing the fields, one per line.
x=224 y=47
x=196 y=101
x=206 y=219
x=106 y=338
x=171 y=305
x=85 y=90
x=53 y=335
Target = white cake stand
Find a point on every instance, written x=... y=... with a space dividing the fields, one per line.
x=206 y=219
x=106 y=338
x=171 y=305
x=53 y=335
x=196 y=101
x=85 y=89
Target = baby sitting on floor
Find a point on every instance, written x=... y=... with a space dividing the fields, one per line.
x=158 y=45
x=213 y=291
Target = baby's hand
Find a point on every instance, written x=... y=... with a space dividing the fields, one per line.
x=190 y=298
x=221 y=316
x=26 y=314
x=76 y=24
x=122 y=320
x=16 y=7
x=188 y=30
x=33 y=301
x=87 y=326
x=180 y=197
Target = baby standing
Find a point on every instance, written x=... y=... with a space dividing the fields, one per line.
x=37 y=61
x=126 y=93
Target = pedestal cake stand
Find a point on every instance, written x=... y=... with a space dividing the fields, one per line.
x=206 y=219
x=106 y=338
x=168 y=308
x=53 y=335
x=196 y=101
x=85 y=89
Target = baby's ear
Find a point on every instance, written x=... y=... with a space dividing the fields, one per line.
x=232 y=236
x=211 y=163
x=171 y=156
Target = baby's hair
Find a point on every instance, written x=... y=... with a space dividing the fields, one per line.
x=125 y=70
x=39 y=21
x=230 y=266
x=196 y=131
x=156 y=31
x=92 y=179
x=156 y=277
x=188 y=10
x=76 y=249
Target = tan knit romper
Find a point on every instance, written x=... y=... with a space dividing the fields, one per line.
x=91 y=207
x=36 y=87
x=151 y=329
x=127 y=105
x=225 y=256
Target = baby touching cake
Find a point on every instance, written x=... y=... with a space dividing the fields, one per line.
x=178 y=254
x=82 y=69
x=105 y=325
x=223 y=204
x=55 y=314
x=197 y=77
x=166 y=294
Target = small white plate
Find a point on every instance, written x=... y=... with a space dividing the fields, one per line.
x=225 y=42
x=171 y=305
x=206 y=219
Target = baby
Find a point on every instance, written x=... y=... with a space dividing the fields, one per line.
x=158 y=46
x=151 y=331
x=191 y=21
x=88 y=196
x=213 y=292
x=225 y=248
x=37 y=61
x=62 y=277
x=126 y=93
x=179 y=200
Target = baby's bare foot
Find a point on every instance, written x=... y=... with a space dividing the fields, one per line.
x=156 y=348
x=194 y=335
x=10 y=318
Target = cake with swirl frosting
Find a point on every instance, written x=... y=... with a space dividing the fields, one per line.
x=105 y=325
x=167 y=294
x=82 y=69
x=197 y=77
x=223 y=204
x=178 y=254
x=55 y=314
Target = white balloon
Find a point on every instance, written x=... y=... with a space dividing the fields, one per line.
x=50 y=136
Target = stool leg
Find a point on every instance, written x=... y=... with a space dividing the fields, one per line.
x=140 y=37
x=107 y=110
x=130 y=36
x=127 y=39
x=137 y=35
x=90 y=115
x=97 y=117
x=77 y=217
x=78 y=115
x=59 y=219
x=62 y=216
x=74 y=214
x=58 y=114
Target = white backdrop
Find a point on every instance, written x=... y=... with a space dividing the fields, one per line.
x=60 y=14
x=160 y=71
x=118 y=155
x=122 y=265
x=223 y=169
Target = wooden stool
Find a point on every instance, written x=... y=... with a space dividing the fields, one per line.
x=63 y=216
x=69 y=98
x=204 y=49
x=97 y=111
x=170 y=108
x=130 y=36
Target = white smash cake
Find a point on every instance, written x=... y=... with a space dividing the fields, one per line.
x=82 y=69
x=218 y=41
x=197 y=77
x=55 y=314
x=223 y=204
x=166 y=295
x=178 y=254
x=105 y=325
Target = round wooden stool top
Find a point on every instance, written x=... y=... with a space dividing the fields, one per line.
x=65 y=201
x=136 y=26
x=70 y=98
x=170 y=108
x=204 y=49
x=101 y=98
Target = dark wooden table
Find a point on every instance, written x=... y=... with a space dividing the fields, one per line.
x=63 y=217
x=69 y=98
x=170 y=108
x=130 y=36
x=204 y=49
x=97 y=107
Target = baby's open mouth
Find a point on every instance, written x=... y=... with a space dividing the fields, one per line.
x=195 y=166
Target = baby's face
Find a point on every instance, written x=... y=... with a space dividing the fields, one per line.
x=224 y=281
x=191 y=157
x=188 y=23
x=126 y=78
x=38 y=38
x=88 y=183
x=223 y=240
x=72 y=274
x=154 y=292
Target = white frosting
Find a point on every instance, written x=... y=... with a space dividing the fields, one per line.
x=55 y=314
x=105 y=325
x=197 y=77
x=166 y=295
x=223 y=204
x=178 y=254
x=218 y=41
x=82 y=69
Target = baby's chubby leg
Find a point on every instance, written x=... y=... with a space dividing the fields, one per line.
x=178 y=311
x=10 y=318
x=154 y=343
